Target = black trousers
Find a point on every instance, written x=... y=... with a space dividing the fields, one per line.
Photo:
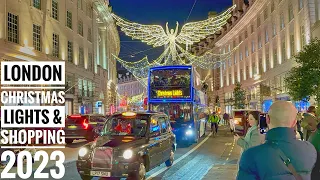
x=214 y=125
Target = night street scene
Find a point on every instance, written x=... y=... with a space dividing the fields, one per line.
x=173 y=89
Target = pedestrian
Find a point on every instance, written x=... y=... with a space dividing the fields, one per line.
x=298 y=126
x=214 y=120
x=282 y=156
x=315 y=140
x=226 y=118
x=253 y=137
x=309 y=122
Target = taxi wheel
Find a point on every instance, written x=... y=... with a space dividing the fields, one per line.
x=140 y=174
x=169 y=162
x=86 y=177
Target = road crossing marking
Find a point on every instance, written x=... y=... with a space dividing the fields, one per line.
x=179 y=159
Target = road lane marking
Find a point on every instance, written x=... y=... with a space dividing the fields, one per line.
x=179 y=159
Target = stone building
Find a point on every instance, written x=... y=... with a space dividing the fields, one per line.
x=80 y=32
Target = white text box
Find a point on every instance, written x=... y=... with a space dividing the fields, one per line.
x=6 y=116
x=12 y=73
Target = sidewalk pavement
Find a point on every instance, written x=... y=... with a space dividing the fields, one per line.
x=227 y=166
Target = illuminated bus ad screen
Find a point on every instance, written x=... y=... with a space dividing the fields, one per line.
x=170 y=84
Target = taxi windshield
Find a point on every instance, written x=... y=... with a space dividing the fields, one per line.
x=126 y=126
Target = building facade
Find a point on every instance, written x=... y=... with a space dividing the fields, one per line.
x=79 y=32
x=270 y=33
x=132 y=90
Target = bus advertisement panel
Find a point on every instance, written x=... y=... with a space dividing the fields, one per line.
x=168 y=83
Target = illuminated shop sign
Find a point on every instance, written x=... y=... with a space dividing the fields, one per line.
x=169 y=93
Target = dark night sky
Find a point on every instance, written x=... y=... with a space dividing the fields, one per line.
x=160 y=12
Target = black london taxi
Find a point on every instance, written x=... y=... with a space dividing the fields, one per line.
x=130 y=144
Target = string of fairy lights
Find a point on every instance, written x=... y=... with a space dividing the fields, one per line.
x=174 y=54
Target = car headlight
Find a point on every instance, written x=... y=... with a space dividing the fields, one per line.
x=189 y=132
x=83 y=151
x=127 y=154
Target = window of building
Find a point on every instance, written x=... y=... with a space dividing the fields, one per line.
x=230 y=79
x=234 y=44
x=229 y=62
x=292 y=46
x=37 y=4
x=283 y=51
x=224 y=81
x=229 y=48
x=80 y=27
x=265 y=13
x=69 y=19
x=290 y=12
x=89 y=35
x=241 y=56
x=81 y=57
x=55 y=45
x=267 y=35
x=89 y=10
x=246 y=34
x=282 y=25
x=55 y=9
x=70 y=51
x=235 y=59
x=254 y=68
x=241 y=75
x=240 y=38
x=80 y=4
x=252 y=28
x=259 y=42
x=258 y=21
x=90 y=62
x=13 y=28
x=247 y=51
x=275 y=57
x=260 y=65
x=274 y=29
x=36 y=37
x=267 y=60
x=303 y=36
x=272 y=6
x=236 y=76
x=247 y=72
x=252 y=46
x=300 y=4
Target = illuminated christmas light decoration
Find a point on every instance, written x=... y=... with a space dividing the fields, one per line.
x=190 y=33
x=174 y=54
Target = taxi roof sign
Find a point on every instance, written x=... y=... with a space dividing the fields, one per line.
x=129 y=114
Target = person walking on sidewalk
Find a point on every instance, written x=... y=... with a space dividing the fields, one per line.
x=253 y=137
x=315 y=140
x=282 y=156
x=214 y=120
x=309 y=122
x=226 y=118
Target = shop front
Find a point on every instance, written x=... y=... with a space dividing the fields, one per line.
x=85 y=108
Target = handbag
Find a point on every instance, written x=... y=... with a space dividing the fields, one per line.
x=286 y=161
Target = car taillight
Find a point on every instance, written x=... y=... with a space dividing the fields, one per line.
x=85 y=124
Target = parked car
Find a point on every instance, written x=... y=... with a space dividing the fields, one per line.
x=130 y=144
x=86 y=126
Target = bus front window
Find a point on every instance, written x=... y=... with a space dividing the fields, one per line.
x=180 y=112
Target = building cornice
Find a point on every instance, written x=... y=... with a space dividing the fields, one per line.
x=243 y=22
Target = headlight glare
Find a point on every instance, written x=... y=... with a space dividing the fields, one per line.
x=83 y=151
x=127 y=154
x=189 y=132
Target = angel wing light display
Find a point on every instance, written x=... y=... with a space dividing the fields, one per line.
x=156 y=36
